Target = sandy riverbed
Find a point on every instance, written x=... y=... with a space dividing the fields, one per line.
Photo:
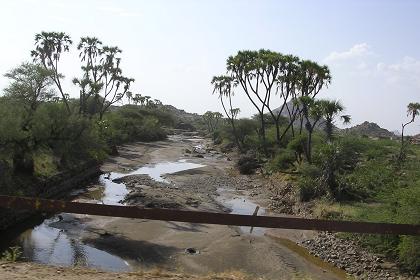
x=145 y=244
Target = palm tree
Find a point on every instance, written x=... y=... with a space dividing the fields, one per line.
x=413 y=110
x=129 y=97
x=315 y=111
x=136 y=98
x=330 y=110
x=49 y=46
x=223 y=85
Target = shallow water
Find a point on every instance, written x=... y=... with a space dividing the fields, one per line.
x=156 y=171
x=241 y=205
x=56 y=240
x=49 y=245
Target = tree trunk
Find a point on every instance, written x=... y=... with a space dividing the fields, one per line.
x=309 y=147
x=401 y=156
x=263 y=134
x=278 y=131
x=235 y=135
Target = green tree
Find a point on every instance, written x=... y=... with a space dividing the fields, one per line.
x=211 y=120
x=49 y=46
x=102 y=75
x=312 y=78
x=136 y=98
x=30 y=85
x=223 y=86
x=330 y=110
x=413 y=110
x=315 y=112
x=90 y=84
x=244 y=69
x=129 y=97
x=288 y=92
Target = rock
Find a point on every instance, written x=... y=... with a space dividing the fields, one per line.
x=192 y=202
x=199 y=149
x=192 y=251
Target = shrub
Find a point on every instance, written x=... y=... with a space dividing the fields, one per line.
x=308 y=182
x=248 y=163
x=12 y=254
x=283 y=160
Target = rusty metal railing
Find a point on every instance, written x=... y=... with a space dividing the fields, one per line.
x=55 y=206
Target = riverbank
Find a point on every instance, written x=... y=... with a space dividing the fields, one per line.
x=343 y=253
x=58 y=186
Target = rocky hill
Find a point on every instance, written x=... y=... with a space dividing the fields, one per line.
x=285 y=114
x=370 y=129
x=182 y=115
x=416 y=139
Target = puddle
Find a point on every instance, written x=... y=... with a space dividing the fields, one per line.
x=57 y=242
x=240 y=205
x=156 y=171
x=49 y=245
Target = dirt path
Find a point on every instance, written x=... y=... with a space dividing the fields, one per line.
x=192 y=248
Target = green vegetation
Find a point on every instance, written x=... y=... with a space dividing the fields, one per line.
x=44 y=132
x=12 y=254
x=351 y=177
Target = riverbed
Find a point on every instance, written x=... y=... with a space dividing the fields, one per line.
x=184 y=172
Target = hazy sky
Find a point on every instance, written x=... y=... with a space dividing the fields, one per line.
x=173 y=48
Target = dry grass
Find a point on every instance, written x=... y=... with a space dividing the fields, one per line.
x=23 y=270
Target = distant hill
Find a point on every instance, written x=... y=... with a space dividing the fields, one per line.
x=183 y=119
x=285 y=114
x=415 y=139
x=370 y=129
x=182 y=115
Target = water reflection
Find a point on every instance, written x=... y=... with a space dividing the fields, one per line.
x=49 y=245
x=240 y=205
x=56 y=241
x=157 y=170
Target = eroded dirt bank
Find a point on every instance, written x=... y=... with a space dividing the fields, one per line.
x=212 y=185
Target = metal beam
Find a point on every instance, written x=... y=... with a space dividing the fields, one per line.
x=55 y=206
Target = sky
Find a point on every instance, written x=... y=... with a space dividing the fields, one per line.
x=173 y=48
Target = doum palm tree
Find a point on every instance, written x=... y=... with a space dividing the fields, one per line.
x=129 y=97
x=413 y=110
x=330 y=110
x=223 y=85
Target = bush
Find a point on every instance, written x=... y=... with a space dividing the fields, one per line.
x=308 y=183
x=283 y=160
x=12 y=254
x=248 y=163
x=129 y=124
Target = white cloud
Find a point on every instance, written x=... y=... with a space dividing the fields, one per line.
x=407 y=70
x=360 y=60
x=118 y=11
x=357 y=51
